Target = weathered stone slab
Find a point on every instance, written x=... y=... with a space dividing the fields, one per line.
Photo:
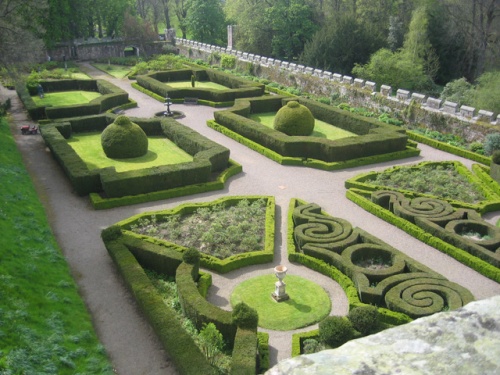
x=464 y=341
x=337 y=77
x=347 y=80
x=466 y=111
x=386 y=90
x=483 y=115
x=358 y=82
x=308 y=70
x=450 y=107
x=369 y=85
x=418 y=98
x=403 y=95
x=433 y=103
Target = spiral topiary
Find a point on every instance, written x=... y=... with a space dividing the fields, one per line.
x=124 y=139
x=294 y=119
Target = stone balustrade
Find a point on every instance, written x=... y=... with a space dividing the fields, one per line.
x=404 y=96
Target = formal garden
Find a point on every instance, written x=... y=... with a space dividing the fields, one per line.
x=165 y=257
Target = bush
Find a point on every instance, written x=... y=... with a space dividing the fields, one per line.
x=124 y=139
x=495 y=158
x=312 y=346
x=487 y=92
x=111 y=233
x=335 y=331
x=458 y=91
x=491 y=143
x=191 y=256
x=364 y=318
x=244 y=316
x=294 y=119
x=228 y=61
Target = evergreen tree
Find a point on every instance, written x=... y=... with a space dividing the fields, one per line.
x=205 y=21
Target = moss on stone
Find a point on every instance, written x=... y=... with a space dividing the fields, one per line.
x=124 y=139
x=294 y=119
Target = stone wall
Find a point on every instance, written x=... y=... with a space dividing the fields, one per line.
x=470 y=123
x=463 y=341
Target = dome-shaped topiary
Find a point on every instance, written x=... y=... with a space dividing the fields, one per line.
x=245 y=317
x=335 y=330
x=294 y=119
x=364 y=318
x=124 y=139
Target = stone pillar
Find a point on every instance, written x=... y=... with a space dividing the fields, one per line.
x=230 y=36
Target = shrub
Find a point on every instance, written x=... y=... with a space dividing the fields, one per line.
x=191 y=256
x=491 y=143
x=312 y=346
x=211 y=342
x=294 y=119
x=111 y=233
x=335 y=331
x=495 y=158
x=124 y=139
x=244 y=316
x=477 y=147
x=228 y=61
x=458 y=91
x=364 y=318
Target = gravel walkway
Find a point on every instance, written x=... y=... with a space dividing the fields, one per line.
x=129 y=340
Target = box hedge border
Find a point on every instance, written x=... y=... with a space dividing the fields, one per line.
x=185 y=355
x=318 y=265
x=209 y=157
x=209 y=262
x=478 y=179
x=312 y=163
x=157 y=82
x=362 y=199
x=111 y=97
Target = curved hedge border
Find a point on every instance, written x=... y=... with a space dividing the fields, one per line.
x=111 y=97
x=209 y=157
x=449 y=148
x=376 y=142
x=400 y=285
x=157 y=82
x=188 y=359
x=490 y=191
x=212 y=263
x=431 y=233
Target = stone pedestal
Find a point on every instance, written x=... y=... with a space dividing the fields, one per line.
x=279 y=294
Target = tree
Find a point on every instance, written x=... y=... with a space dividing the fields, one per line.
x=292 y=24
x=21 y=28
x=340 y=44
x=181 y=10
x=206 y=22
x=138 y=31
x=252 y=31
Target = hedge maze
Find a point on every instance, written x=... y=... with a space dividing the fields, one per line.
x=375 y=140
x=382 y=275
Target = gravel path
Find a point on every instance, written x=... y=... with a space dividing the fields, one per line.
x=129 y=340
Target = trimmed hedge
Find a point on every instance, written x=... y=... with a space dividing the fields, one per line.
x=244 y=358
x=390 y=282
x=438 y=238
x=312 y=163
x=111 y=97
x=198 y=309
x=209 y=157
x=489 y=189
x=237 y=87
x=183 y=351
x=374 y=137
x=218 y=265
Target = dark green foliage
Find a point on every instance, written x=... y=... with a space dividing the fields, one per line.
x=364 y=318
x=311 y=346
x=245 y=317
x=495 y=158
x=111 y=233
x=294 y=119
x=244 y=356
x=191 y=256
x=491 y=143
x=123 y=139
x=335 y=331
x=193 y=80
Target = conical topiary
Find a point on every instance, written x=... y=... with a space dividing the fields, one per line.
x=294 y=119
x=124 y=139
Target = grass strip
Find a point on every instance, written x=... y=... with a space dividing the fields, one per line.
x=45 y=327
x=58 y=99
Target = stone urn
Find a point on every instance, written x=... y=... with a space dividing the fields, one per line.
x=279 y=294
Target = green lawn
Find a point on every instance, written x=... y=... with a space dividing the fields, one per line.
x=161 y=151
x=44 y=325
x=308 y=303
x=57 y=99
x=117 y=71
x=199 y=84
x=321 y=129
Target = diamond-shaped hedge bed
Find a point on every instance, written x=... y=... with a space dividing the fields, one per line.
x=375 y=140
x=107 y=187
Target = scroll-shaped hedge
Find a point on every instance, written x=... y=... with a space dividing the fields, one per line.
x=382 y=274
x=462 y=228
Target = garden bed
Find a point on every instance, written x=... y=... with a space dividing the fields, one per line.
x=375 y=141
x=209 y=159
